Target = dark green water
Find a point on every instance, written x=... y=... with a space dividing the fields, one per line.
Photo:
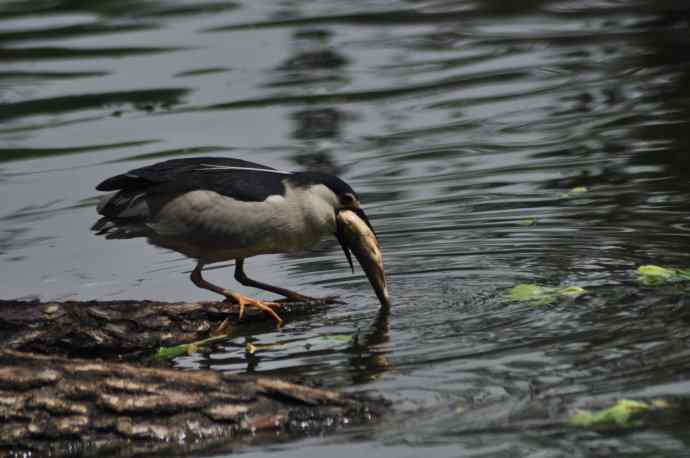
x=462 y=125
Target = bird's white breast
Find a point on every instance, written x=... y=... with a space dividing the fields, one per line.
x=216 y=227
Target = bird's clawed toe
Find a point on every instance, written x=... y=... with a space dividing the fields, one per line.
x=264 y=306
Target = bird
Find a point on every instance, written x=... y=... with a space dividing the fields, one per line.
x=218 y=209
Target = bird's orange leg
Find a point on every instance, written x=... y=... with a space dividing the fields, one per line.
x=237 y=298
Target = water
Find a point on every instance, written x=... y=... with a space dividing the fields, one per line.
x=463 y=125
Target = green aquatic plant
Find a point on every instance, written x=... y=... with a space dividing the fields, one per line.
x=542 y=295
x=621 y=414
x=166 y=353
x=527 y=222
x=342 y=338
x=574 y=192
x=251 y=348
x=651 y=275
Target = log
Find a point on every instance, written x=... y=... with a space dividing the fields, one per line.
x=122 y=329
x=77 y=378
x=67 y=406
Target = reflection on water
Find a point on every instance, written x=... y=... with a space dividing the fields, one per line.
x=463 y=125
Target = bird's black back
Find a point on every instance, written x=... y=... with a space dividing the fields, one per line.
x=248 y=181
x=208 y=173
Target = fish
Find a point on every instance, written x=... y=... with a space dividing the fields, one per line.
x=362 y=241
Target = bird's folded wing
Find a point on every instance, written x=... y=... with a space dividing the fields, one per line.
x=241 y=180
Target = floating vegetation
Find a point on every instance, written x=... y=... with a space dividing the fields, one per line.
x=166 y=353
x=251 y=348
x=337 y=338
x=621 y=414
x=527 y=222
x=575 y=192
x=542 y=295
x=651 y=275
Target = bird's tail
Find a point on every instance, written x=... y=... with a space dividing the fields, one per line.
x=119 y=228
x=124 y=215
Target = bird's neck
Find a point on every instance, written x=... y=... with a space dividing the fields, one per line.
x=316 y=208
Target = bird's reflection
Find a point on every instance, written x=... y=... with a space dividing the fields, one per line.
x=366 y=355
x=368 y=358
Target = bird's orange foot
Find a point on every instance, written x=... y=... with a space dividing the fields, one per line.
x=264 y=306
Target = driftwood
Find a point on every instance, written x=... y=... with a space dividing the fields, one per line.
x=66 y=406
x=120 y=329
x=65 y=389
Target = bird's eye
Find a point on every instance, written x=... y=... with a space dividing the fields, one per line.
x=347 y=200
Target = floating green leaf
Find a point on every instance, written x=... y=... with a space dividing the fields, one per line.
x=571 y=291
x=527 y=222
x=526 y=292
x=621 y=414
x=165 y=353
x=651 y=275
x=251 y=348
x=542 y=295
x=337 y=338
x=574 y=192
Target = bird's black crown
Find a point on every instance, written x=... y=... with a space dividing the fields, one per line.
x=332 y=182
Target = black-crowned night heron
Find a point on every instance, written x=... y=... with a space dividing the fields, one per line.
x=218 y=209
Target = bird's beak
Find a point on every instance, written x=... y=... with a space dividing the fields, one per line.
x=354 y=232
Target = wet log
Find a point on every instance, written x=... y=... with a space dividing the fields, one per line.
x=122 y=329
x=68 y=406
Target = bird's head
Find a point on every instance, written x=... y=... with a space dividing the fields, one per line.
x=354 y=231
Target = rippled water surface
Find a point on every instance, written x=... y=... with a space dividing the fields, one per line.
x=464 y=126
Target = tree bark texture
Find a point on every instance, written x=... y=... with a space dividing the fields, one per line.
x=68 y=406
x=119 y=328
x=75 y=380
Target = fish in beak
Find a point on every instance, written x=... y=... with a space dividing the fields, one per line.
x=354 y=232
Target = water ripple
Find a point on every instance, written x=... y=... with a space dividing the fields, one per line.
x=492 y=144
